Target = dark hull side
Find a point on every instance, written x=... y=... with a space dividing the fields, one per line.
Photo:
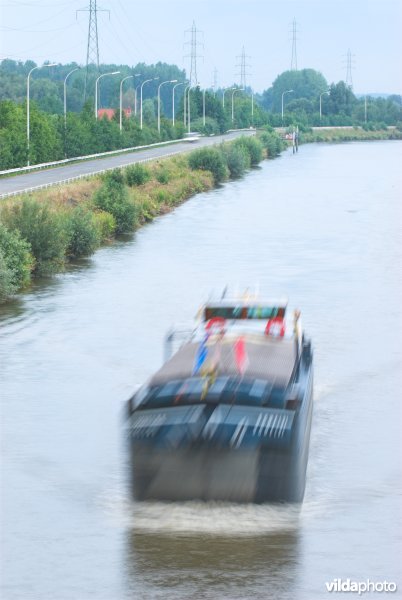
x=258 y=466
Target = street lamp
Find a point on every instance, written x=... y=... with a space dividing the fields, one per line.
x=174 y=87
x=136 y=98
x=283 y=93
x=65 y=93
x=121 y=99
x=223 y=95
x=29 y=75
x=184 y=105
x=97 y=89
x=121 y=96
x=233 y=93
x=142 y=85
x=188 y=107
x=135 y=93
x=159 y=100
x=321 y=95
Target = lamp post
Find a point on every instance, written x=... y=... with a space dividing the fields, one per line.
x=188 y=108
x=121 y=99
x=65 y=94
x=28 y=130
x=321 y=95
x=97 y=89
x=223 y=95
x=184 y=105
x=136 y=98
x=159 y=100
x=203 y=107
x=174 y=87
x=283 y=93
x=142 y=85
x=233 y=93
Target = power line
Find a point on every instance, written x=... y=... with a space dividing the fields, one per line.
x=49 y=18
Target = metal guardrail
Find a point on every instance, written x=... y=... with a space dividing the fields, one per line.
x=65 y=161
x=98 y=172
x=82 y=176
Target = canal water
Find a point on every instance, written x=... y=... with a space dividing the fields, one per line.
x=322 y=227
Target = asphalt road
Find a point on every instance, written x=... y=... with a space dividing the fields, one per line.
x=21 y=183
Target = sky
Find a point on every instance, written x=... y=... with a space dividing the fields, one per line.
x=154 y=30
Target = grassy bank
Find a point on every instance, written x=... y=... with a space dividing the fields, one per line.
x=41 y=232
x=349 y=135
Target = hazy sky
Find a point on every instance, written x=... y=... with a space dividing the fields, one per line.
x=153 y=30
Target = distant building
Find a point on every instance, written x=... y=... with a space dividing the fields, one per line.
x=110 y=112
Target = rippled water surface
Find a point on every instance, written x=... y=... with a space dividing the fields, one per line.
x=322 y=227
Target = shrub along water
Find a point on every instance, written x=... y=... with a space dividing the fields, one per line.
x=6 y=285
x=272 y=143
x=43 y=227
x=106 y=225
x=113 y=198
x=253 y=147
x=237 y=159
x=210 y=159
x=18 y=260
x=41 y=232
x=84 y=232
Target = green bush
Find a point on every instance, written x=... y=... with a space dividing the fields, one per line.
x=106 y=224
x=163 y=197
x=272 y=143
x=237 y=159
x=17 y=256
x=211 y=126
x=162 y=175
x=84 y=233
x=137 y=174
x=113 y=198
x=253 y=147
x=209 y=159
x=43 y=228
x=7 y=288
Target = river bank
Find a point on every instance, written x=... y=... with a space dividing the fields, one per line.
x=349 y=134
x=41 y=232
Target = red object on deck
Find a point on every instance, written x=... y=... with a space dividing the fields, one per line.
x=240 y=355
x=274 y=325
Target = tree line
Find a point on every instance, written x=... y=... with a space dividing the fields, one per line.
x=339 y=106
x=52 y=138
